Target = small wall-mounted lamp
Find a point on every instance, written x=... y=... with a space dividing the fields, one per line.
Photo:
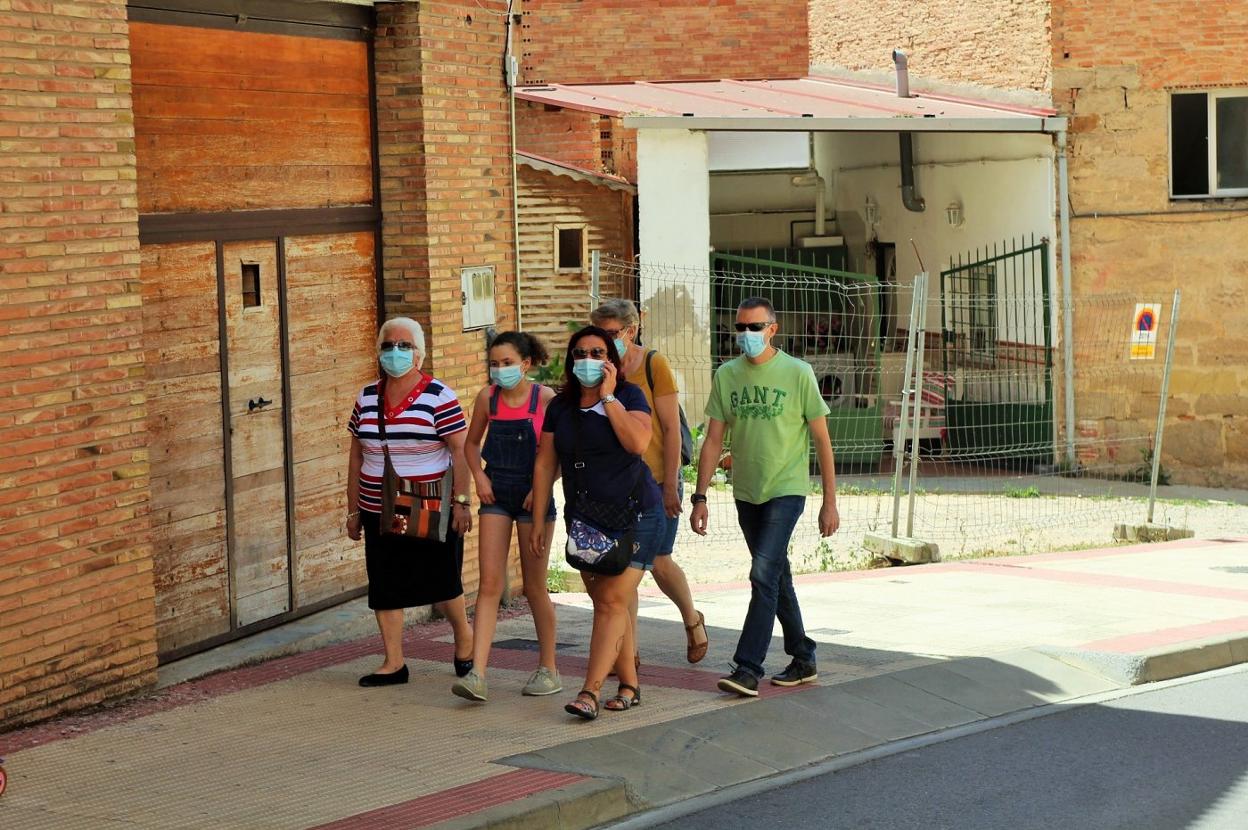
x=953 y=215
x=871 y=213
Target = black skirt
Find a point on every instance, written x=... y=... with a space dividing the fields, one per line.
x=404 y=572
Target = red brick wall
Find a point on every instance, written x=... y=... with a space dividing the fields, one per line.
x=76 y=596
x=1114 y=65
x=446 y=177
x=582 y=139
x=570 y=41
x=570 y=136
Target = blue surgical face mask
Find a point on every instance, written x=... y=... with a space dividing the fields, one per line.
x=397 y=362
x=508 y=377
x=588 y=371
x=753 y=343
x=621 y=347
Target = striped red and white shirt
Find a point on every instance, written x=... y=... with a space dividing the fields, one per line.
x=415 y=432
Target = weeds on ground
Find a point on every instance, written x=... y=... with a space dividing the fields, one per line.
x=558 y=581
x=1022 y=492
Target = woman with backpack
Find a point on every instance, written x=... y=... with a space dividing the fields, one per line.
x=650 y=371
x=508 y=414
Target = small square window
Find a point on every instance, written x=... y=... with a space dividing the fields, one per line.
x=570 y=248
x=251 y=285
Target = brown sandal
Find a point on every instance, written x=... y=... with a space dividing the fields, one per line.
x=620 y=703
x=694 y=653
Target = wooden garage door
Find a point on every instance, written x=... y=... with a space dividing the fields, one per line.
x=256 y=344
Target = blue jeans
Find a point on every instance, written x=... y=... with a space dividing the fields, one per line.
x=767 y=528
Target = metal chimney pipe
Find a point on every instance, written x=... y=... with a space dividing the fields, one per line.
x=912 y=201
x=903 y=73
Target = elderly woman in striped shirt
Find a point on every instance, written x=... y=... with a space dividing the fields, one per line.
x=424 y=433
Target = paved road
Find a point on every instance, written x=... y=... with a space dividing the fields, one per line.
x=1170 y=758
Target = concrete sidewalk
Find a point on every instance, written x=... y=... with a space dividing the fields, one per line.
x=293 y=742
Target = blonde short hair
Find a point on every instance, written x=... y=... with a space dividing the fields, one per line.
x=413 y=328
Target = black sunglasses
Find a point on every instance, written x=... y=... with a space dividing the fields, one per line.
x=401 y=345
x=751 y=326
x=595 y=353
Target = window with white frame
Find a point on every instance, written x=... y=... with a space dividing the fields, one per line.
x=1209 y=144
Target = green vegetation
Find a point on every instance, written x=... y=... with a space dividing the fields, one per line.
x=1022 y=493
x=558 y=580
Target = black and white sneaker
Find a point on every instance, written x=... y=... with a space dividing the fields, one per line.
x=798 y=672
x=740 y=682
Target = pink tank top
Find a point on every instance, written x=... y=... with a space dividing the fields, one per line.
x=520 y=413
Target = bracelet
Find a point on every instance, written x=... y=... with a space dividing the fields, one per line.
x=354 y=515
x=698 y=498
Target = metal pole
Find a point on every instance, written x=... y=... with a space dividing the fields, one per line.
x=899 y=430
x=918 y=407
x=595 y=277
x=1161 y=409
x=1068 y=336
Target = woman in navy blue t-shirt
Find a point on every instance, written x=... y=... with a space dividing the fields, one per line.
x=614 y=420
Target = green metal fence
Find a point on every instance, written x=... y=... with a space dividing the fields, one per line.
x=997 y=355
x=829 y=317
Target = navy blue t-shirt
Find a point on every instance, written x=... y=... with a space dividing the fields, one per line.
x=608 y=466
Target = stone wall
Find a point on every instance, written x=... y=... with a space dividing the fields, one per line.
x=77 y=612
x=1115 y=63
x=990 y=43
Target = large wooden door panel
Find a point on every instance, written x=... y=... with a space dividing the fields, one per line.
x=260 y=553
x=181 y=340
x=332 y=309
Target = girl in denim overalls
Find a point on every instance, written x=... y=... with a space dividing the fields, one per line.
x=512 y=407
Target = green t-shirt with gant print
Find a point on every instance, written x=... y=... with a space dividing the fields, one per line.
x=767 y=408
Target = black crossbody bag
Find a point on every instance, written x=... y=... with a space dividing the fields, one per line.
x=602 y=536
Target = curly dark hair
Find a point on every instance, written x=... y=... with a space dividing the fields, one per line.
x=571 y=391
x=529 y=347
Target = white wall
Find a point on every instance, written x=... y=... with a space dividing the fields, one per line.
x=1004 y=183
x=673 y=193
x=754 y=210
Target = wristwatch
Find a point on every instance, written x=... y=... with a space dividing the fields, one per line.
x=462 y=499
x=606 y=399
x=698 y=498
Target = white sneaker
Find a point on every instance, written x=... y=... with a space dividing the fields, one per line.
x=543 y=682
x=470 y=687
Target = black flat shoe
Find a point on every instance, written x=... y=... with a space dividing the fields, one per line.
x=394 y=678
x=462 y=667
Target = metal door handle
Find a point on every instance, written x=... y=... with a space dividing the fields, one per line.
x=257 y=403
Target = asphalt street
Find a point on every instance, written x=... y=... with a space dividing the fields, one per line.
x=1163 y=759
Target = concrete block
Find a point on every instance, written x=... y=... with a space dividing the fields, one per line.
x=902 y=549
x=915 y=703
x=1151 y=533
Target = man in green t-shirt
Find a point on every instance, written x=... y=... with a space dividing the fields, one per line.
x=772 y=404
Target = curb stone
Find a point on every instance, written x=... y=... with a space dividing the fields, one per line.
x=577 y=806
x=1164 y=663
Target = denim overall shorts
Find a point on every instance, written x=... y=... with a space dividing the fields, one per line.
x=509 y=452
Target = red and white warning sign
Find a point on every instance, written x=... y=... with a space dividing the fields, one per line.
x=1144 y=331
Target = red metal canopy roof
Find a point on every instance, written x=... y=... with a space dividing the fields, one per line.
x=819 y=103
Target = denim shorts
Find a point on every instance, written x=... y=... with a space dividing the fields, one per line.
x=667 y=539
x=509 y=495
x=650 y=530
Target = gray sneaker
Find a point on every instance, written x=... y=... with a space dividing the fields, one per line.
x=470 y=687
x=543 y=682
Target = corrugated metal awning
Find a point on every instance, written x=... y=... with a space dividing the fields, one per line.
x=579 y=174
x=805 y=104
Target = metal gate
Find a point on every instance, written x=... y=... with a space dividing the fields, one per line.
x=997 y=354
x=828 y=317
